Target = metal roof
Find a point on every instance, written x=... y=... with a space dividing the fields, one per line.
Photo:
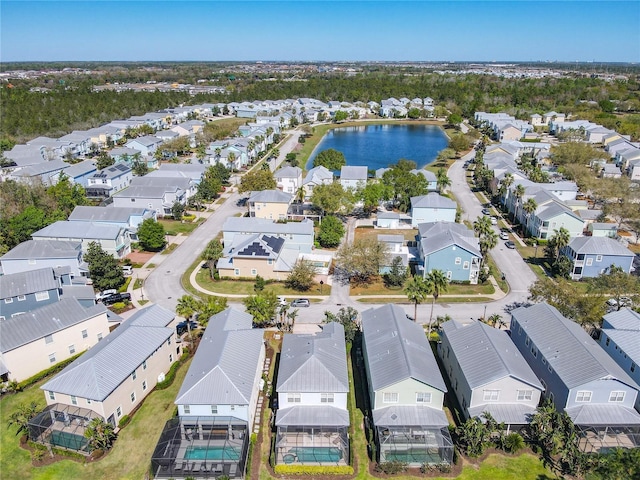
x=509 y=413
x=102 y=368
x=628 y=342
x=354 y=172
x=406 y=415
x=447 y=238
x=397 y=349
x=623 y=319
x=83 y=230
x=232 y=319
x=603 y=415
x=312 y=415
x=28 y=327
x=599 y=246
x=314 y=363
x=30 y=281
x=385 y=238
x=288 y=172
x=106 y=214
x=429 y=229
x=486 y=354
x=270 y=196
x=433 y=200
x=35 y=249
x=317 y=175
x=575 y=356
x=224 y=368
x=263 y=225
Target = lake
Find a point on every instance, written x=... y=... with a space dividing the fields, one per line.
x=378 y=146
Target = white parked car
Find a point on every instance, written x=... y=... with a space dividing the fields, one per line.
x=105 y=293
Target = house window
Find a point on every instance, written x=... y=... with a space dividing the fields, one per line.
x=254 y=271
x=633 y=367
x=22 y=298
x=490 y=395
x=8 y=300
x=236 y=271
x=144 y=365
x=133 y=397
x=608 y=341
x=52 y=395
x=534 y=351
x=233 y=408
x=525 y=395
x=52 y=358
x=583 y=396
x=423 y=397
x=88 y=401
x=390 y=397
x=589 y=261
x=465 y=266
x=170 y=358
x=133 y=199
x=458 y=260
x=72 y=349
x=527 y=341
x=84 y=334
x=144 y=385
x=74 y=400
x=119 y=412
x=187 y=409
x=598 y=258
x=133 y=375
x=293 y=398
x=42 y=296
x=214 y=409
x=616 y=397
x=99 y=336
x=326 y=398
x=48 y=339
x=270 y=261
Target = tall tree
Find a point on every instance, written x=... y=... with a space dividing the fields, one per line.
x=361 y=260
x=348 y=318
x=257 y=179
x=529 y=208
x=211 y=254
x=151 y=235
x=438 y=283
x=417 y=291
x=104 y=269
x=262 y=307
x=443 y=181
x=331 y=159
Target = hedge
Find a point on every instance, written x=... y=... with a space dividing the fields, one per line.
x=171 y=374
x=313 y=470
x=124 y=421
x=45 y=373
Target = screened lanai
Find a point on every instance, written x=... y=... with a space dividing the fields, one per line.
x=63 y=426
x=201 y=447
x=604 y=427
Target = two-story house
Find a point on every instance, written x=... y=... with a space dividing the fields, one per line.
x=109 y=181
x=112 y=238
x=592 y=256
x=270 y=204
x=353 y=177
x=28 y=290
x=432 y=208
x=316 y=176
x=289 y=179
x=34 y=255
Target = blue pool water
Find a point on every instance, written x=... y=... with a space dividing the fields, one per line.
x=212 y=453
x=316 y=454
x=378 y=146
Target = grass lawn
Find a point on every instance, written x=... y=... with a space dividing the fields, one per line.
x=409 y=234
x=174 y=227
x=131 y=454
x=377 y=287
x=169 y=249
x=245 y=287
x=440 y=300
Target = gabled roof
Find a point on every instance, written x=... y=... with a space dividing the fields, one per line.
x=105 y=214
x=288 y=172
x=264 y=225
x=170 y=184
x=30 y=281
x=354 y=172
x=255 y=246
x=447 y=238
x=224 y=368
x=430 y=229
x=147 y=141
x=232 y=319
x=623 y=319
x=432 y=200
x=28 y=327
x=575 y=356
x=486 y=354
x=314 y=363
x=35 y=249
x=397 y=349
x=84 y=230
x=101 y=369
x=317 y=175
x=270 y=196
x=599 y=246
x=113 y=171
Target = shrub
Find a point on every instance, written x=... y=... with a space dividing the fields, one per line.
x=171 y=374
x=45 y=373
x=189 y=218
x=391 y=468
x=513 y=442
x=318 y=470
x=124 y=421
x=125 y=285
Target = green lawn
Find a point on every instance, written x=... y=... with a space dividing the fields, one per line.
x=131 y=454
x=174 y=227
x=377 y=287
x=409 y=234
x=442 y=300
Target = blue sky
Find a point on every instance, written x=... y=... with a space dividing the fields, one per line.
x=601 y=31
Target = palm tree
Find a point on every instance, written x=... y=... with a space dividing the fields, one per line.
x=187 y=306
x=561 y=239
x=482 y=226
x=518 y=194
x=495 y=321
x=101 y=434
x=507 y=181
x=300 y=194
x=442 y=180
x=487 y=242
x=231 y=158
x=438 y=283
x=417 y=291
x=529 y=207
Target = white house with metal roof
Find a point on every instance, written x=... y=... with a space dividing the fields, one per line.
x=406 y=389
x=289 y=179
x=108 y=181
x=353 y=176
x=111 y=379
x=578 y=377
x=488 y=374
x=316 y=176
x=432 y=208
x=33 y=255
x=312 y=419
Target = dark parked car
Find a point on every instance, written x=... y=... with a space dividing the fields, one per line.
x=185 y=326
x=117 y=297
x=510 y=244
x=486 y=211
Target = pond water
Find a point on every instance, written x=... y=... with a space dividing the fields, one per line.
x=378 y=146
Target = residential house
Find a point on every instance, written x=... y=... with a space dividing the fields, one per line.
x=633 y=170
x=579 y=377
x=112 y=238
x=147 y=146
x=125 y=217
x=188 y=128
x=289 y=179
x=592 y=256
x=553 y=117
x=388 y=220
x=34 y=341
x=316 y=176
x=123 y=155
x=216 y=405
x=406 y=390
x=610 y=171
x=109 y=380
x=488 y=374
x=620 y=338
x=270 y=204
x=38 y=254
x=79 y=172
x=26 y=291
x=157 y=198
x=299 y=235
x=451 y=248
x=312 y=419
x=396 y=248
x=536 y=120
x=432 y=208
x=353 y=177
x=109 y=181
x=45 y=172
x=193 y=171
x=432 y=180
x=599 y=229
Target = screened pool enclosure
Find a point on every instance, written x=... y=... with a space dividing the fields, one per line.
x=414 y=445
x=62 y=426
x=312 y=445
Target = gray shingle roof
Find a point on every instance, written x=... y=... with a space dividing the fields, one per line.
x=100 y=370
x=403 y=415
x=224 y=368
x=397 y=349
x=31 y=281
x=27 y=327
x=271 y=196
x=35 y=249
x=575 y=356
x=486 y=354
x=232 y=319
x=432 y=200
x=312 y=415
x=314 y=363
x=599 y=246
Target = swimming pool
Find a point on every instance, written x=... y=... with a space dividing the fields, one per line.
x=316 y=454
x=414 y=455
x=213 y=453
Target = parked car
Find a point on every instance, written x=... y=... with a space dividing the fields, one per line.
x=282 y=301
x=486 y=211
x=105 y=293
x=494 y=221
x=510 y=244
x=118 y=297
x=185 y=326
x=127 y=270
x=301 y=302
x=504 y=236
